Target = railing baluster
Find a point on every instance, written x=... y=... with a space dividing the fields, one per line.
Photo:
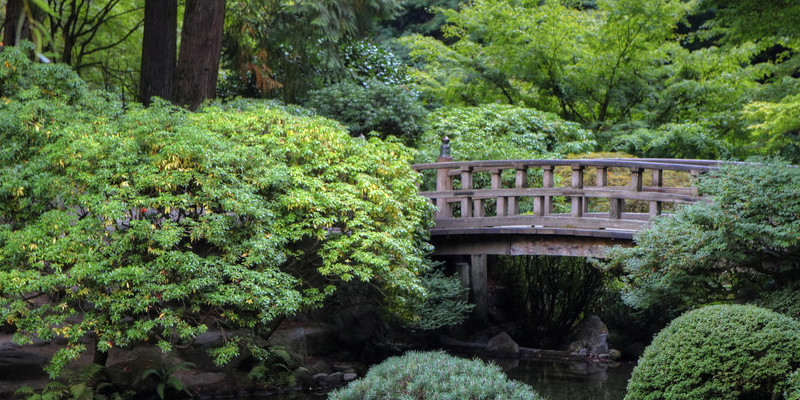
x=466 y=184
x=636 y=179
x=497 y=183
x=520 y=182
x=658 y=178
x=444 y=183
x=547 y=182
x=695 y=176
x=577 y=183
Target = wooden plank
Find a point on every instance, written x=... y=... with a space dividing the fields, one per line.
x=672 y=165
x=606 y=192
x=534 y=220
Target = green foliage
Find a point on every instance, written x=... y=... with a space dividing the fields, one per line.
x=85 y=383
x=367 y=62
x=742 y=242
x=384 y=108
x=289 y=48
x=776 y=126
x=690 y=141
x=785 y=300
x=153 y=224
x=502 y=132
x=793 y=386
x=589 y=65
x=719 y=352
x=431 y=375
x=166 y=382
x=550 y=295
x=274 y=368
x=443 y=304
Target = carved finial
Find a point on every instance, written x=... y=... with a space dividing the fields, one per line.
x=445 y=149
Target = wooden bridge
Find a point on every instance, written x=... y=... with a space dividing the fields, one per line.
x=548 y=207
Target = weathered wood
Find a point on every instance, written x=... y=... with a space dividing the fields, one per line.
x=577 y=183
x=543 y=222
x=607 y=192
x=466 y=183
x=546 y=221
x=479 y=281
x=526 y=244
x=497 y=183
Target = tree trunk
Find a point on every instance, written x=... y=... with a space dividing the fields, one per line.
x=159 y=49
x=198 y=60
x=14 y=10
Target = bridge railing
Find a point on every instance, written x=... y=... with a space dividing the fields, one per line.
x=522 y=193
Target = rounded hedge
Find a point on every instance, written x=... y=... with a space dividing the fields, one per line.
x=428 y=375
x=719 y=352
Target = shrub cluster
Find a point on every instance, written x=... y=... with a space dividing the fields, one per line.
x=434 y=375
x=502 y=132
x=719 y=352
x=374 y=106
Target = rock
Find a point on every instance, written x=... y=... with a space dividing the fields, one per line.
x=19 y=365
x=502 y=345
x=321 y=339
x=293 y=341
x=614 y=355
x=592 y=337
x=343 y=367
x=304 y=377
x=320 y=366
x=319 y=379
x=333 y=380
x=349 y=376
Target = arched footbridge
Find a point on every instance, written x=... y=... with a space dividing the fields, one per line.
x=547 y=207
x=552 y=207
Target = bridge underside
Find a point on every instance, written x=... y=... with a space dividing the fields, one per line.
x=528 y=241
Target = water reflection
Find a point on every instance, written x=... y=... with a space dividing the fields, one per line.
x=572 y=381
x=553 y=380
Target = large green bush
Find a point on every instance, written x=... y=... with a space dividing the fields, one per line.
x=686 y=140
x=719 y=352
x=434 y=375
x=385 y=108
x=151 y=225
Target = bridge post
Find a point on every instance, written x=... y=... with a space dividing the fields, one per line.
x=480 y=286
x=443 y=180
x=577 y=183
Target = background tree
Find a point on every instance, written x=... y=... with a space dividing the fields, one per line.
x=198 y=60
x=159 y=49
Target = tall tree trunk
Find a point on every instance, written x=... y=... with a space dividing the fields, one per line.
x=159 y=49
x=198 y=60
x=14 y=11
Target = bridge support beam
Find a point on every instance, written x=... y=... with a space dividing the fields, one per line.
x=479 y=282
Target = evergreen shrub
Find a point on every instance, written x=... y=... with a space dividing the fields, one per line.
x=434 y=375
x=719 y=352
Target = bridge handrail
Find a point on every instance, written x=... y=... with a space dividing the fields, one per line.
x=473 y=210
x=663 y=164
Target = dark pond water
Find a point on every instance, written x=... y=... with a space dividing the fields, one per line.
x=554 y=380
